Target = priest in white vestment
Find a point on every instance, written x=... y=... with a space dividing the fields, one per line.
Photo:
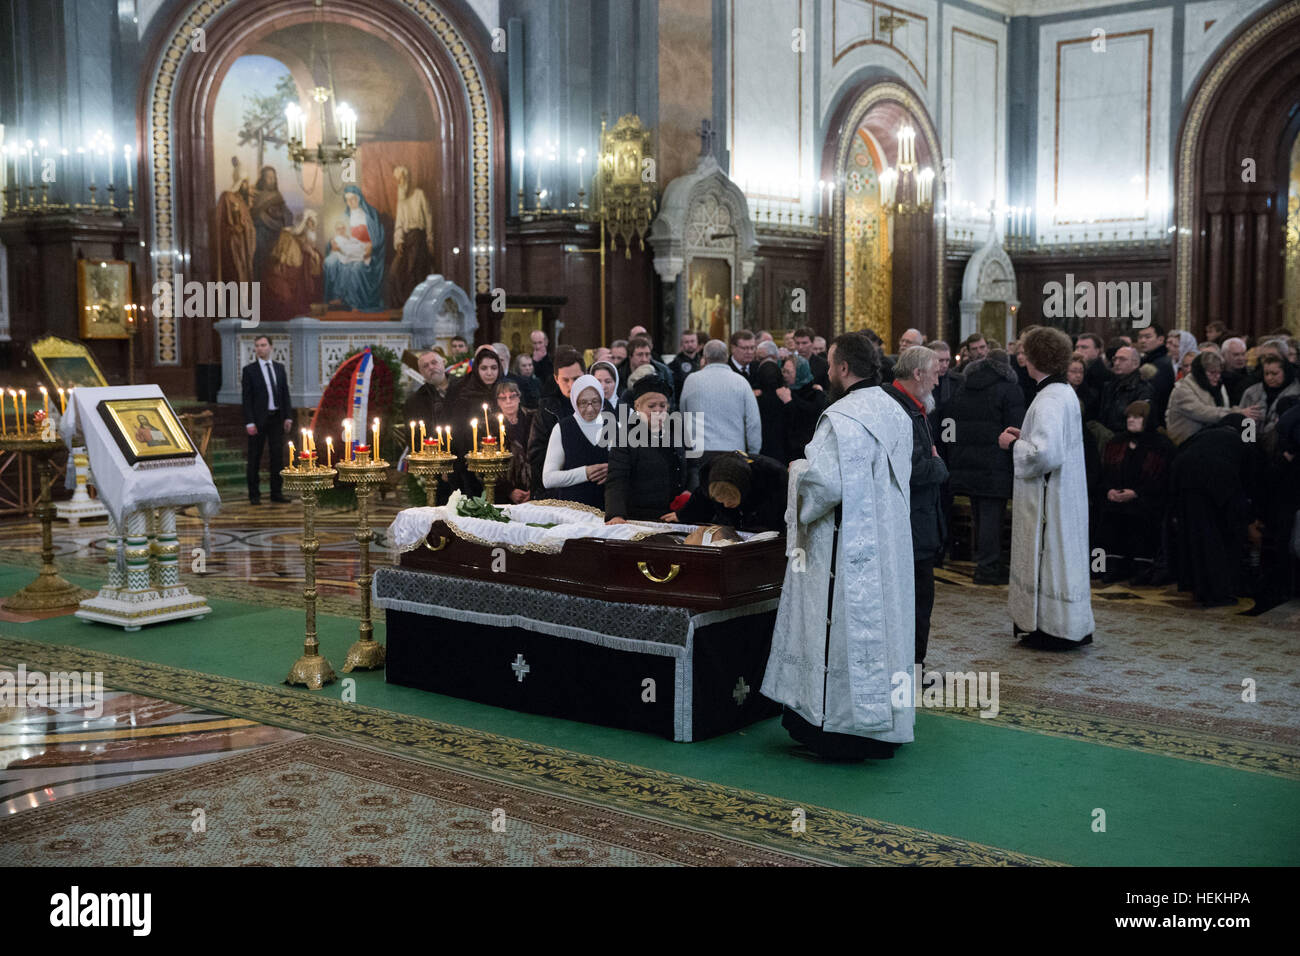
x=845 y=629
x=1050 y=595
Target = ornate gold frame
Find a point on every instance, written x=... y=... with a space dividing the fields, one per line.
x=878 y=93
x=53 y=347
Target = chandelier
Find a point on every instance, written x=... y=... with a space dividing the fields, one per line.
x=907 y=190
x=344 y=146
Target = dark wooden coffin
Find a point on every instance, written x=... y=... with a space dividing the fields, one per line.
x=658 y=570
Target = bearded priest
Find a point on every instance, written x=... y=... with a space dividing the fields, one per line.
x=845 y=627
x=1050 y=597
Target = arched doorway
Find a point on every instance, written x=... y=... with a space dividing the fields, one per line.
x=1234 y=173
x=888 y=270
x=439 y=48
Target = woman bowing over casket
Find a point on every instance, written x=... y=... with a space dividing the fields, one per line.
x=576 y=460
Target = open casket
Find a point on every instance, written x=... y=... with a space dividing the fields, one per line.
x=622 y=625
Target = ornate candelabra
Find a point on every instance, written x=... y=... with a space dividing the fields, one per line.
x=364 y=474
x=428 y=466
x=490 y=465
x=308 y=480
x=49 y=591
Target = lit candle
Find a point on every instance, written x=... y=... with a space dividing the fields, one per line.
x=347 y=439
x=126 y=152
x=446 y=429
x=501 y=421
x=374 y=450
x=45 y=398
x=305 y=447
x=22 y=393
x=291 y=464
x=311 y=438
x=474 y=424
x=422 y=437
x=329 y=452
x=4 y=428
x=439 y=438
x=413 y=448
x=487 y=427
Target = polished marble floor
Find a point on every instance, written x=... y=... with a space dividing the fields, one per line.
x=75 y=745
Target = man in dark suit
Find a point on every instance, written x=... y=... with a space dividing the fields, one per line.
x=267 y=417
x=803 y=344
x=743 y=345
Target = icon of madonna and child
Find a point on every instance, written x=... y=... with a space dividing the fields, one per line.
x=354 y=265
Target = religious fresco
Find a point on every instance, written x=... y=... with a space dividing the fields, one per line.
x=868 y=265
x=319 y=240
x=709 y=296
x=1291 y=297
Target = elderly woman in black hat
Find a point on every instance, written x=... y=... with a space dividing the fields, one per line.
x=744 y=492
x=645 y=474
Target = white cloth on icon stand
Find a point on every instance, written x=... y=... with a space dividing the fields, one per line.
x=124 y=488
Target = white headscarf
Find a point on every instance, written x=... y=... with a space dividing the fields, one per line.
x=1186 y=343
x=612 y=371
x=583 y=383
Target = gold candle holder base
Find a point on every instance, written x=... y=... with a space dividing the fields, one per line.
x=365 y=476
x=490 y=467
x=427 y=467
x=49 y=592
x=311 y=669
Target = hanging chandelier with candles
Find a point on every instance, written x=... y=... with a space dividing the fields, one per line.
x=344 y=146
x=907 y=190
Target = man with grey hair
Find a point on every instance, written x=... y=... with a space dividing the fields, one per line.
x=1236 y=377
x=915 y=375
x=728 y=411
x=910 y=339
x=766 y=351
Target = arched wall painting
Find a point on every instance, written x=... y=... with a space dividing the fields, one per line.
x=325 y=240
x=868 y=265
x=1293 y=243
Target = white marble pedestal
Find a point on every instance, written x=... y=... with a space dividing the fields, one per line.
x=150 y=590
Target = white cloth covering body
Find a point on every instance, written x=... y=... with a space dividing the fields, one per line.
x=1050 y=589
x=860 y=457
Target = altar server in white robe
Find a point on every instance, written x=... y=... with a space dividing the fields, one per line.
x=1050 y=597
x=845 y=628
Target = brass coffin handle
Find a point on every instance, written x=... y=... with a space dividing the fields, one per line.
x=644 y=568
x=442 y=543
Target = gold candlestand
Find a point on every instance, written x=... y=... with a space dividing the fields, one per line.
x=491 y=467
x=427 y=467
x=49 y=591
x=311 y=669
x=365 y=475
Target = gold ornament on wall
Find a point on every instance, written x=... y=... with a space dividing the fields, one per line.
x=625 y=182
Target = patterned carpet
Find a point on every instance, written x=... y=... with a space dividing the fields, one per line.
x=1178 y=670
x=316 y=802
x=757 y=820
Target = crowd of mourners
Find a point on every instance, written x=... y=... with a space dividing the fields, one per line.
x=1191 y=447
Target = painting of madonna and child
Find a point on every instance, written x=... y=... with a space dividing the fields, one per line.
x=336 y=241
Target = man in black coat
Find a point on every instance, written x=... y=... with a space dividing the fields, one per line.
x=686 y=361
x=552 y=408
x=267 y=417
x=1151 y=342
x=989 y=403
x=1125 y=387
x=817 y=364
x=915 y=374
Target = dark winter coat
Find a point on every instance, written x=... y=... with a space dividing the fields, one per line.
x=1120 y=392
x=929 y=529
x=990 y=402
x=643 y=481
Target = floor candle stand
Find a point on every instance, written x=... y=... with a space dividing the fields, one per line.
x=490 y=467
x=311 y=669
x=49 y=591
x=364 y=475
x=427 y=467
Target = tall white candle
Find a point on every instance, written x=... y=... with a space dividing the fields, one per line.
x=108 y=154
x=126 y=152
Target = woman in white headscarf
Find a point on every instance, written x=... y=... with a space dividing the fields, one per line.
x=1178 y=342
x=576 y=462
